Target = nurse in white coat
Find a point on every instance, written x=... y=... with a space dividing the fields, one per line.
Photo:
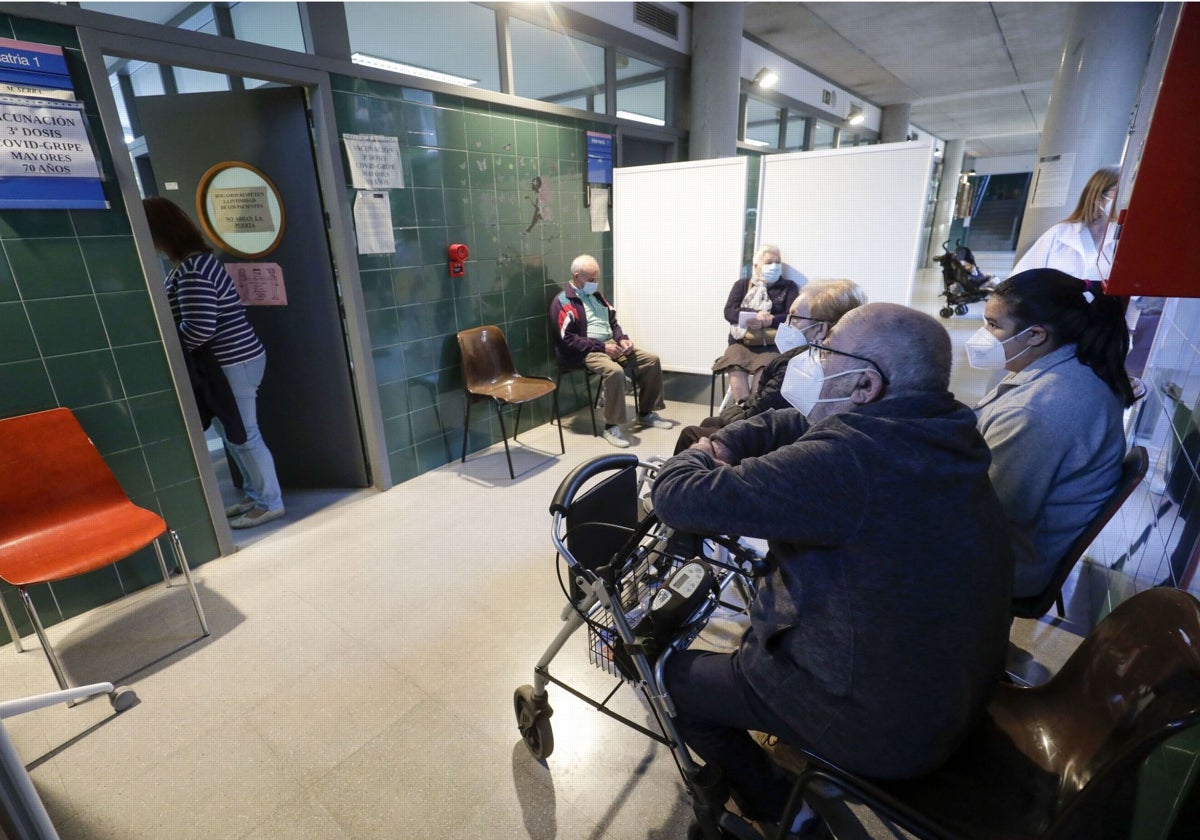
x=1080 y=243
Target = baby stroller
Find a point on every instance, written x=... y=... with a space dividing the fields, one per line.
x=641 y=599
x=963 y=281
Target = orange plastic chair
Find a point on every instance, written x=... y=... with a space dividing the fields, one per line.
x=62 y=513
x=489 y=373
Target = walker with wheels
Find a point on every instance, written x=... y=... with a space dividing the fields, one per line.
x=641 y=594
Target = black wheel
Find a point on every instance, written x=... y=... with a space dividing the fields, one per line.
x=533 y=721
x=945 y=311
x=961 y=309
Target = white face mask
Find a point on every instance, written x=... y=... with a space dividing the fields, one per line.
x=986 y=352
x=804 y=379
x=789 y=338
x=771 y=272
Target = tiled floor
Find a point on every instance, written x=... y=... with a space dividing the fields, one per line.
x=359 y=677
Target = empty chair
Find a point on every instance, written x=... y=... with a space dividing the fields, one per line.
x=489 y=373
x=63 y=513
x=1133 y=470
x=1059 y=760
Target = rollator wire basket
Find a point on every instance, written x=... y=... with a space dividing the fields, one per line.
x=643 y=592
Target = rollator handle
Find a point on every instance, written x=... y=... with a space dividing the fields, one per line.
x=565 y=494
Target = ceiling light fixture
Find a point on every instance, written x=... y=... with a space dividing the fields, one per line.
x=642 y=118
x=856 y=115
x=765 y=78
x=410 y=70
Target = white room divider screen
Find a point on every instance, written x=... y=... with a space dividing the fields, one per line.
x=855 y=213
x=677 y=250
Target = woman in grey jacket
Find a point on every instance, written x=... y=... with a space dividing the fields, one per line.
x=1054 y=422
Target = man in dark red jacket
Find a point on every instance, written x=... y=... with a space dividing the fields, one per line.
x=587 y=335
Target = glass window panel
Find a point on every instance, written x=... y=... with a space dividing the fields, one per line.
x=146 y=79
x=555 y=67
x=823 y=135
x=188 y=80
x=273 y=24
x=201 y=21
x=641 y=87
x=417 y=34
x=161 y=13
x=122 y=111
x=794 y=139
x=762 y=123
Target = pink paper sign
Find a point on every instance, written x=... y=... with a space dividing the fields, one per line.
x=259 y=284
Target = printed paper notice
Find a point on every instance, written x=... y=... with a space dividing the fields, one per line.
x=258 y=284
x=374 y=161
x=241 y=210
x=373 y=223
x=598 y=205
x=44 y=139
x=1051 y=180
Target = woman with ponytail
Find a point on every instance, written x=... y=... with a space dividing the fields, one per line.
x=1054 y=423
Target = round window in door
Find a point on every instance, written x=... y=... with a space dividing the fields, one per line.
x=240 y=209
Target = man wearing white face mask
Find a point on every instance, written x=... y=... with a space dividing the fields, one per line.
x=818 y=308
x=853 y=502
x=587 y=335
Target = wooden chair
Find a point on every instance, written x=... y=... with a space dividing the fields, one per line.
x=1133 y=470
x=489 y=373
x=62 y=513
x=1055 y=761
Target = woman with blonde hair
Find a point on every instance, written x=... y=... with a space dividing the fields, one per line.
x=1081 y=242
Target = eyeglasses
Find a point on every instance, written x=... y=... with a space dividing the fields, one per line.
x=794 y=321
x=823 y=351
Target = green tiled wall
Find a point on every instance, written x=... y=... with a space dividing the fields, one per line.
x=77 y=329
x=469 y=170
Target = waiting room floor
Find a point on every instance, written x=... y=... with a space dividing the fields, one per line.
x=358 y=681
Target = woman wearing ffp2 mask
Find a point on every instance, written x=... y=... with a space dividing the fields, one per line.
x=1054 y=423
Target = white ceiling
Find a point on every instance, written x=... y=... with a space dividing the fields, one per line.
x=980 y=72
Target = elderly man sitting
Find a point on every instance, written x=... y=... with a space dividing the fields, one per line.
x=882 y=628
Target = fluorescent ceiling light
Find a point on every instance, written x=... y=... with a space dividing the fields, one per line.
x=856 y=115
x=642 y=118
x=409 y=69
x=765 y=78
x=751 y=142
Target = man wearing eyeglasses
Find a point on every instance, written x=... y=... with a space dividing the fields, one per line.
x=882 y=627
x=816 y=309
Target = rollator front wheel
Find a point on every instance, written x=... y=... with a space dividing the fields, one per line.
x=533 y=721
x=946 y=312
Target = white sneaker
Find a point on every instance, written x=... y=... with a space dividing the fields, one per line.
x=613 y=435
x=653 y=421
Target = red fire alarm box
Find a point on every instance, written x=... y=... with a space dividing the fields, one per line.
x=458 y=259
x=1162 y=220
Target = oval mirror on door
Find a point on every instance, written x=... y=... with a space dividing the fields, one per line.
x=240 y=209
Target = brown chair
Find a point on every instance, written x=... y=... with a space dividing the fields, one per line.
x=489 y=373
x=1055 y=761
x=1133 y=470
x=63 y=513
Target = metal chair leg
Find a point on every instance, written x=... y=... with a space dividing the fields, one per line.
x=517 y=422
x=504 y=436
x=55 y=665
x=12 y=628
x=181 y=560
x=587 y=382
x=162 y=565
x=554 y=403
x=466 y=425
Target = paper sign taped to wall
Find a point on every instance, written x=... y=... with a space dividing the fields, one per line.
x=1051 y=179
x=374 y=161
x=258 y=284
x=373 y=223
x=598 y=207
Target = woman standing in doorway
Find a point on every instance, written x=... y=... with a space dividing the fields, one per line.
x=209 y=315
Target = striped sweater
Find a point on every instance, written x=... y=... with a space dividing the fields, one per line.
x=207 y=310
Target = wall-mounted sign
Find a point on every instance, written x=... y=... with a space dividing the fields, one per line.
x=599 y=158
x=33 y=65
x=240 y=209
x=258 y=284
x=46 y=157
x=374 y=161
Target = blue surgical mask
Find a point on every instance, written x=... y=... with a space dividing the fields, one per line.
x=589 y=288
x=771 y=272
